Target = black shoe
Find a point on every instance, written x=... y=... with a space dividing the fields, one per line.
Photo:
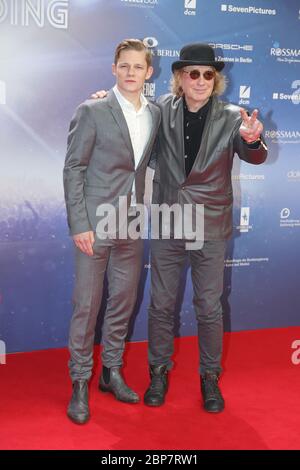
x=112 y=381
x=155 y=394
x=212 y=397
x=78 y=409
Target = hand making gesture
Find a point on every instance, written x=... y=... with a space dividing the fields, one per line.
x=251 y=128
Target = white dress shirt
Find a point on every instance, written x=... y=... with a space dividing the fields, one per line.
x=139 y=124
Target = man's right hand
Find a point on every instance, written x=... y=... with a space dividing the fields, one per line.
x=99 y=94
x=84 y=241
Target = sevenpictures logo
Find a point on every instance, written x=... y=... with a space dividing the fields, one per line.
x=294 y=97
x=228 y=8
x=38 y=12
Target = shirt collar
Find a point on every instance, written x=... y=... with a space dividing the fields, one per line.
x=125 y=104
x=201 y=112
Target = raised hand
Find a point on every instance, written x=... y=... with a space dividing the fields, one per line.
x=251 y=128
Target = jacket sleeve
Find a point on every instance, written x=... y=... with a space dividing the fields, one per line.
x=81 y=140
x=249 y=153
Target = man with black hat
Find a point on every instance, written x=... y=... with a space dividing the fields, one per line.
x=197 y=140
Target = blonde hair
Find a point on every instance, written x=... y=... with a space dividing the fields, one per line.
x=175 y=87
x=133 y=45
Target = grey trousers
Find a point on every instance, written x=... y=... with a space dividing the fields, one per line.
x=121 y=260
x=207 y=267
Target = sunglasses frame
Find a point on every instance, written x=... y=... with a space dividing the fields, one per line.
x=198 y=73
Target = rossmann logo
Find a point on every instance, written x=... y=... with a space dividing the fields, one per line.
x=279 y=52
x=282 y=134
x=285 y=54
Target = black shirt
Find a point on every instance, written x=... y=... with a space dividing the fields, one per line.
x=193 y=130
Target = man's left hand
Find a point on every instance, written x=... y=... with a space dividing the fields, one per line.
x=251 y=128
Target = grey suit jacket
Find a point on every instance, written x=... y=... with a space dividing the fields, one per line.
x=209 y=181
x=99 y=165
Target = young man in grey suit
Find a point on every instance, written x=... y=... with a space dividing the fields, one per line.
x=109 y=146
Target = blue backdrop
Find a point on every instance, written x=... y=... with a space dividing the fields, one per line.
x=53 y=55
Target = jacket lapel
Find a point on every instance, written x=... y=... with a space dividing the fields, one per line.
x=177 y=131
x=120 y=120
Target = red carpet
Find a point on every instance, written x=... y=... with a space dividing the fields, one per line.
x=260 y=385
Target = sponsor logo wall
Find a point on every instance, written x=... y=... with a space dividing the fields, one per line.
x=55 y=54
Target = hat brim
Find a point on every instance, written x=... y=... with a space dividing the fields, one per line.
x=218 y=65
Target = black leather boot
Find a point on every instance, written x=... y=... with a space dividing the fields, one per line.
x=78 y=409
x=212 y=397
x=155 y=394
x=112 y=381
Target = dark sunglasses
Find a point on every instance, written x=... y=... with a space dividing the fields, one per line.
x=207 y=75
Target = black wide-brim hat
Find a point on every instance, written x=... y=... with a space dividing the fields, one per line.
x=197 y=54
